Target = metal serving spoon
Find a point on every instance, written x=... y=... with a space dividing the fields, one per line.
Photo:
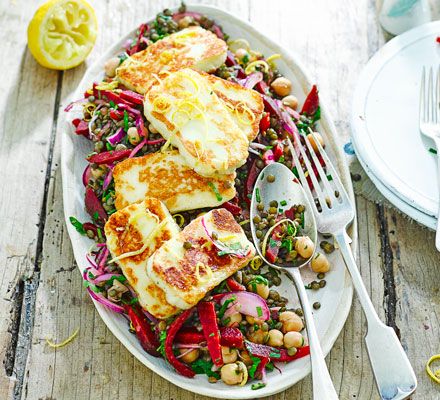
x=287 y=190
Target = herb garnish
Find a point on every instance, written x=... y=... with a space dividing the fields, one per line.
x=78 y=225
x=215 y=190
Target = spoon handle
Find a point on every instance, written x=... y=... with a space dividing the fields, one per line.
x=322 y=384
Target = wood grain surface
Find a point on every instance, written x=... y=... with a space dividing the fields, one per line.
x=41 y=293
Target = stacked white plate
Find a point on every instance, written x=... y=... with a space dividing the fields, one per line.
x=385 y=123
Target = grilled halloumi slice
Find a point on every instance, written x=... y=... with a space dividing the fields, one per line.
x=167 y=177
x=244 y=105
x=185 y=110
x=187 y=274
x=133 y=234
x=193 y=47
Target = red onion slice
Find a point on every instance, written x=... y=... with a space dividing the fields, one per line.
x=249 y=303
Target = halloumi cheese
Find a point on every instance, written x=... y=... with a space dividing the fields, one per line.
x=244 y=105
x=133 y=235
x=186 y=275
x=193 y=47
x=167 y=177
x=186 y=111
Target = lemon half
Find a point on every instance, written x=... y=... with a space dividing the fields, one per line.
x=62 y=33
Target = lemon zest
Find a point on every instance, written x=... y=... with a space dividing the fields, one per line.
x=251 y=67
x=161 y=104
x=208 y=271
x=247 y=110
x=206 y=245
x=246 y=221
x=270 y=60
x=256 y=263
x=434 y=375
x=165 y=146
x=144 y=246
x=239 y=44
x=179 y=218
x=166 y=56
x=182 y=121
x=107 y=85
x=270 y=230
x=64 y=342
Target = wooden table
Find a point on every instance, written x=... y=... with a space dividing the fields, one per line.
x=41 y=289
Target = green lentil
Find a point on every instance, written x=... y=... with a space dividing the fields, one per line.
x=271 y=178
x=317 y=305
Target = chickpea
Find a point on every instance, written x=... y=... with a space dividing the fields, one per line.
x=235 y=319
x=152 y=129
x=229 y=355
x=190 y=356
x=245 y=357
x=234 y=374
x=185 y=22
x=291 y=322
x=281 y=86
x=241 y=54
x=275 y=338
x=320 y=263
x=257 y=335
x=260 y=288
x=133 y=135
x=290 y=101
x=304 y=246
x=312 y=138
x=111 y=65
x=253 y=320
x=293 y=339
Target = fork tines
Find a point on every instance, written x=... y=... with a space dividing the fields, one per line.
x=324 y=193
x=429 y=102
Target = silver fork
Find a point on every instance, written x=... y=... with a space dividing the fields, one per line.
x=333 y=212
x=429 y=122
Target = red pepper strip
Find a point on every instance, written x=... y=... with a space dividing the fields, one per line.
x=208 y=319
x=290 y=213
x=231 y=337
x=265 y=122
x=107 y=157
x=234 y=286
x=189 y=336
x=262 y=87
x=275 y=353
x=94 y=206
x=218 y=297
x=76 y=122
x=82 y=128
x=181 y=368
x=133 y=97
x=114 y=114
x=114 y=97
x=438 y=39
x=311 y=102
x=278 y=151
x=144 y=331
x=234 y=209
x=250 y=181
x=261 y=366
x=272 y=252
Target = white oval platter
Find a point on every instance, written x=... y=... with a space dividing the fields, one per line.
x=335 y=298
x=385 y=121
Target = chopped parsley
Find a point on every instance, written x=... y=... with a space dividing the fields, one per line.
x=113 y=105
x=121 y=279
x=215 y=190
x=162 y=338
x=225 y=305
x=272 y=242
x=125 y=120
x=78 y=225
x=108 y=146
x=93 y=287
x=259 y=385
x=255 y=362
x=95 y=216
x=259 y=311
x=275 y=354
x=433 y=151
x=201 y=366
x=283 y=203
x=257 y=195
x=329 y=177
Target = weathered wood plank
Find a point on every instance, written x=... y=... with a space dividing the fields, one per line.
x=334 y=39
x=26 y=111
